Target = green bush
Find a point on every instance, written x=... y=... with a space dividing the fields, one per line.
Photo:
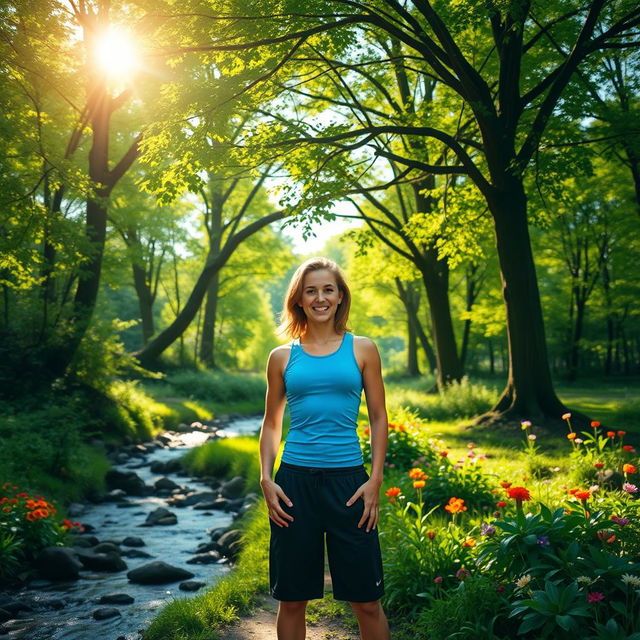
x=458 y=400
x=227 y=458
x=474 y=610
x=218 y=386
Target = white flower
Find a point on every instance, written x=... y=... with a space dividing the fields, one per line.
x=523 y=581
x=584 y=581
x=532 y=436
x=632 y=580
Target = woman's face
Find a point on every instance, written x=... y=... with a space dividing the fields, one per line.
x=320 y=295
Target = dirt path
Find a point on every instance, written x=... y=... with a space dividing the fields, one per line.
x=261 y=625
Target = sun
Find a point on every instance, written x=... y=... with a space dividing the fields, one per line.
x=116 y=53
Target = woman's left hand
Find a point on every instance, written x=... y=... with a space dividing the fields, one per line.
x=370 y=493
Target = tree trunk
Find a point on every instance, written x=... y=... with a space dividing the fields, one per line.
x=492 y=359
x=410 y=298
x=529 y=392
x=435 y=276
x=145 y=300
x=207 y=346
x=152 y=351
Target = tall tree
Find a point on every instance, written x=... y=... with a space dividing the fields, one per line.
x=500 y=80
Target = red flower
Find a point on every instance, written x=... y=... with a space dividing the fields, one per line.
x=392 y=493
x=622 y=433
x=598 y=465
x=22 y=494
x=431 y=535
x=595 y=596
x=582 y=495
x=444 y=454
x=519 y=493
x=629 y=448
x=505 y=485
x=628 y=468
x=501 y=505
x=595 y=424
x=611 y=434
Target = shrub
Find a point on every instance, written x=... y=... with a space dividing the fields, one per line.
x=225 y=458
x=218 y=386
x=27 y=525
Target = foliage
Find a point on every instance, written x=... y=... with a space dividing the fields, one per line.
x=218 y=386
x=27 y=525
x=225 y=458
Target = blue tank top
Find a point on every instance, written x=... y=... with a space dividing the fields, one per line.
x=323 y=393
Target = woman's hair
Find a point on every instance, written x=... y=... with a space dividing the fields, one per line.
x=293 y=321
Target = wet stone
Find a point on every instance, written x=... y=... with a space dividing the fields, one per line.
x=116 y=598
x=208 y=557
x=133 y=541
x=191 y=585
x=106 y=612
x=158 y=572
x=136 y=553
x=50 y=603
x=160 y=516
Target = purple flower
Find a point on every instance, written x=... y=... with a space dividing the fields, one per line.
x=543 y=541
x=629 y=488
x=621 y=521
x=487 y=529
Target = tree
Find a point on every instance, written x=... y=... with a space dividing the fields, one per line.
x=510 y=82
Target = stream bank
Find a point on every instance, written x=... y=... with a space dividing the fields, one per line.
x=154 y=512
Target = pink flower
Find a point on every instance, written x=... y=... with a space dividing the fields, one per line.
x=595 y=596
x=462 y=573
x=438 y=579
x=629 y=488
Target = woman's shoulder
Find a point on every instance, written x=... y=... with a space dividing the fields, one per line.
x=363 y=342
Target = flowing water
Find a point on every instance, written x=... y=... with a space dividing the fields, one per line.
x=173 y=544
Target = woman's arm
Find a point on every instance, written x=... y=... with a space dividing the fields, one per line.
x=270 y=435
x=367 y=354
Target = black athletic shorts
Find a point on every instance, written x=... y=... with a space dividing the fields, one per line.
x=296 y=552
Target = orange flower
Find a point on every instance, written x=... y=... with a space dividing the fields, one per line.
x=444 y=454
x=628 y=468
x=456 y=505
x=6 y=509
x=418 y=484
x=30 y=516
x=566 y=416
x=582 y=495
x=431 y=535
x=367 y=431
x=611 y=434
x=519 y=493
x=401 y=427
x=501 y=505
x=595 y=424
x=417 y=474
x=572 y=492
x=604 y=535
x=598 y=465
x=392 y=426
x=469 y=542
x=572 y=436
x=393 y=492
x=505 y=485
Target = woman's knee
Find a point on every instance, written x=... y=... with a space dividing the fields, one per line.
x=369 y=609
x=293 y=607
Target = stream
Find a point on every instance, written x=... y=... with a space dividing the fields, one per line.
x=64 y=610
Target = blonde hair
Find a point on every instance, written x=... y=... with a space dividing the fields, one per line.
x=293 y=321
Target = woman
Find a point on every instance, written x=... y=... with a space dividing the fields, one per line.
x=321 y=487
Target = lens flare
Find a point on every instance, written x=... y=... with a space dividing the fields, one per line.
x=116 y=53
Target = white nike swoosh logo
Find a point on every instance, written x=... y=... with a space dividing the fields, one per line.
x=378 y=583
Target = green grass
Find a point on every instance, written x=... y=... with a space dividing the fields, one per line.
x=204 y=617
x=227 y=458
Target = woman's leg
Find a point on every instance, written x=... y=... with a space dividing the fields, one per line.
x=371 y=620
x=290 y=622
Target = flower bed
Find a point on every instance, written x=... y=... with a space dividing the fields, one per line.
x=28 y=523
x=471 y=555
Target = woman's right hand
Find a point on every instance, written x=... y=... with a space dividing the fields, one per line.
x=273 y=493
